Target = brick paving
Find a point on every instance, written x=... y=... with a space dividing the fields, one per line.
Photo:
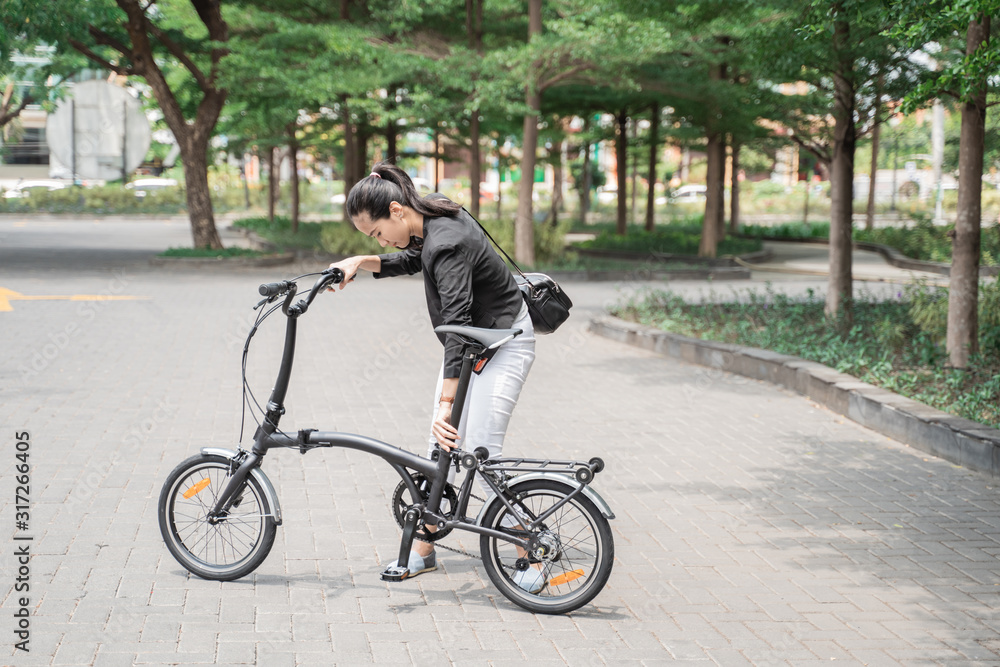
x=754 y=528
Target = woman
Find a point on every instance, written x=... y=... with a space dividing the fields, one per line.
x=467 y=284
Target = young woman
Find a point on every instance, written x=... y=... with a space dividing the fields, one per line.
x=467 y=284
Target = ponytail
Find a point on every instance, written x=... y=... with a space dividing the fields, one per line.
x=388 y=183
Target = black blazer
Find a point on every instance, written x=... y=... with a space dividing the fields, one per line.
x=465 y=280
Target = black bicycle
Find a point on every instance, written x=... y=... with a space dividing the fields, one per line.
x=219 y=513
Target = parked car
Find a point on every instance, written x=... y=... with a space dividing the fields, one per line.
x=143 y=186
x=24 y=188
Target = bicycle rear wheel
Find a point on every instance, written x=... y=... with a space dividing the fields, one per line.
x=229 y=549
x=579 y=542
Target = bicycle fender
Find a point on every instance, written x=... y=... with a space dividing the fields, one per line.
x=256 y=473
x=588 y=491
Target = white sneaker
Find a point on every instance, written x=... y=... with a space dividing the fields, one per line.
x=531 y=580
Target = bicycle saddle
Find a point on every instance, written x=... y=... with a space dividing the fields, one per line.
x=489 y=338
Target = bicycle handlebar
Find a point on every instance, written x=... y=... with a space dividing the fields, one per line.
x=288 y=288
x=327 y=277
x=274 y=289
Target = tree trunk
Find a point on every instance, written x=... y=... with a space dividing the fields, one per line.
x=586 y=178
x=654 y=141
x=293 y=158
x=437 y=161
x=715 y=196
x=872 y=179
x=557 y=183
x=524 y=227
x=246 y=181
x=199 y=199
x=720 y=215
x=873 y=171
x=963 y=291
x=635 y=173
x=621 y=153
x=272 y=183
x=734 y=190
x=475 y=163
x=839 y=296
x=474 y=28
x=350 y=161
x=715 y=200
x=391 y=134
x=361 y=136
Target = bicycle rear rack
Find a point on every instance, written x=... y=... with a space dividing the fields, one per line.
x=583 y=471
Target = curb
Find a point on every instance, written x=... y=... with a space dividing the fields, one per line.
x=961 y=441
x=893 y=257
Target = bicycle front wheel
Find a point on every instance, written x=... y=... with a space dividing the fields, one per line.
x=229 y=549
x=579 y=549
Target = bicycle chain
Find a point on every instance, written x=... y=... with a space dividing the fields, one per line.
x=453 y=549
x=460 y=551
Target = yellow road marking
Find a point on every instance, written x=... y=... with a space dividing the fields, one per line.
x=7 y=295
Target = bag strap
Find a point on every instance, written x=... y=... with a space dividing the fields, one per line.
x=502 y=252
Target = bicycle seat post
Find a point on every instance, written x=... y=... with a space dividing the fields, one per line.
x=469 y=355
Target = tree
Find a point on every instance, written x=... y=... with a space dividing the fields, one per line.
x=840 y=65
x=967 y=75
x=175 y=46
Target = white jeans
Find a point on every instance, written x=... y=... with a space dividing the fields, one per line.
x=492 y=395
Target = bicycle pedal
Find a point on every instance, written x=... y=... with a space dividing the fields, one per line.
x=396 y=573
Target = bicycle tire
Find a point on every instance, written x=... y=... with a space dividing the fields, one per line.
x=584 y=556
x=247 y=534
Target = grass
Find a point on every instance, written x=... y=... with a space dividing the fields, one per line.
x=896 y=344
x=279 y=232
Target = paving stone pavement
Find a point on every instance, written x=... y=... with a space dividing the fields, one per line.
x=753 y=527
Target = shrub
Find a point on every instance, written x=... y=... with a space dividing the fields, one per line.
x=895 y=343
x=680 y=239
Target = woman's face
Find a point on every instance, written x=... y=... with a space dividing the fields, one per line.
x=391 y=231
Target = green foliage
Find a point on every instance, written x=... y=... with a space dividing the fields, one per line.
x=675 y=239
x=208 y=253
x=279 y=232
x=788 y=230
x=893 y=343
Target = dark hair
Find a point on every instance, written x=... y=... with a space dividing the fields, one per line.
x=388 y=183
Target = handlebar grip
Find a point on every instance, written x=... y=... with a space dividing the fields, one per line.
x=336 y=274
x=273 y=289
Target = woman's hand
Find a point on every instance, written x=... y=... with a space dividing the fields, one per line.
x=350 y=267
x=443 y=431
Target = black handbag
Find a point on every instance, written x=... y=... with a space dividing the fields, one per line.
x=548 y=303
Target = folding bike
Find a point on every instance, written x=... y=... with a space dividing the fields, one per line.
x=219 y=513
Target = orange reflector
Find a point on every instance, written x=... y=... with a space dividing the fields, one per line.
x=197 y=488
x=565 y=578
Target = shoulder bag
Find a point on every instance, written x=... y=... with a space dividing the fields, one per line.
x=548 y=303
